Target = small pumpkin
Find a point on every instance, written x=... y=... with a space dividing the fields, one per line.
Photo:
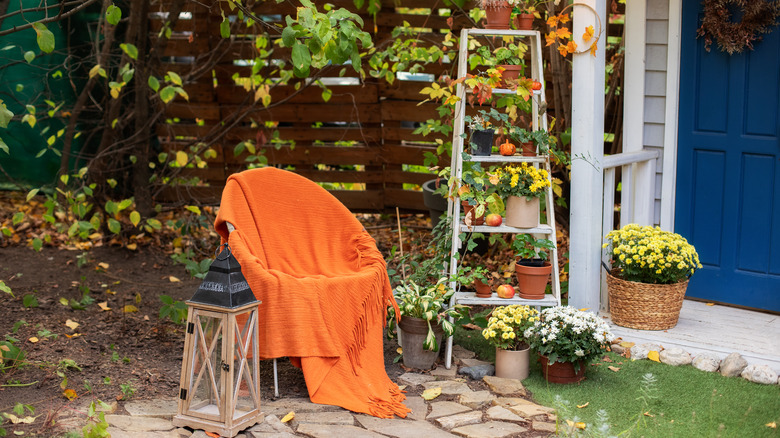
x=506 y=148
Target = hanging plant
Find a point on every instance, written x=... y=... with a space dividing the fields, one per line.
x=758 y=17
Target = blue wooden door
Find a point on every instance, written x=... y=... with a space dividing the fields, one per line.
x=728 y=168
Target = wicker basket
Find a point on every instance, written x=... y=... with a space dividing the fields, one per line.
x=644 y=306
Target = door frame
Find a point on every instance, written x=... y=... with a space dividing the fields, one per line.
x=671 y=123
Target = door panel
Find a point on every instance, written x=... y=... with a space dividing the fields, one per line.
x=728 y=181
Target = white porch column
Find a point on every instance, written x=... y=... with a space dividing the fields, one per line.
x=587 y=152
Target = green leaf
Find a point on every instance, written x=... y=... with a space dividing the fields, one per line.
x=130 y=49
x=288 y=36
x=326 y=94
x=114 y=226
x=154 y=223
x=135 y=218
x=45 y=38
x=37 y=244
x=224 y=28
x=5 y=288
x=18 y=218
x=193 y=208
x=113 y=15
x=29 y=56
x=111 y=207
x=5 y=115
x=125 y=203
x=31 y=194
x=30 y=301
x=154 y=84
x=167 y=93
x=175 y=78
x=301 y=57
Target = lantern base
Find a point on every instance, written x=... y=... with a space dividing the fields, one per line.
x=215 y=426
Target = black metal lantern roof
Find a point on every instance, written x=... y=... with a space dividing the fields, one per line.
x=224 y=285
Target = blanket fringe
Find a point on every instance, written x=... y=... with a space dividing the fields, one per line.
x=387 y=408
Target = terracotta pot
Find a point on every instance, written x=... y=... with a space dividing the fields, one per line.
x=413 y=334
x=524 y=21
x=512 y=364
x=469 y=210
x=510 y=73
x=498 y=16
x=483 y=290
x=522 y=213
x=532 y=280
x=528 y=148
x=562 y=372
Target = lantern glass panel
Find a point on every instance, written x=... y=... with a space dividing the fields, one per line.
x=206 y=363
x=245 y=397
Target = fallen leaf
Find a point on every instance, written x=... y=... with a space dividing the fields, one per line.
x=584 y=309
x=606 y=359
x=129 y=308
x=653 y=355
x=173 y=279
x=399 y=350
x=16 y=420
x=626 y=344
x=583 y=406
x=70 y=394
x=104 y=305
x=710 y=304
x=290 y=415
x=580 y=425
x=773 y=425
x=615 y=369
x=213 y=434
x=110 y=292
x=137 y=298
x=431 y=393
x=33 y=339
x=648 y=414
x=103 y=265
x=74 y=335
x=131 y=246
x=64 y=301
x=73 y=325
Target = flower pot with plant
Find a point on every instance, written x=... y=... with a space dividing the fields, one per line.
x=531 y=267
x=481 y=140
x=524 y=12
x=476 y=194
x=566 y=340
x=497 y=12
x=650 y=272
x=522 y=186
x=479 y=277
x=508 y=58
x=423 y=320
x=506 y=331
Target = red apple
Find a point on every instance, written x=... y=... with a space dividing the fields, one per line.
x=505 y=291
x=493 y=220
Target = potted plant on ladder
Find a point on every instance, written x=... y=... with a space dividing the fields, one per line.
x=531 y=267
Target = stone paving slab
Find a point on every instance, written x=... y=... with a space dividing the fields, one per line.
x=402 y=428
x=449 y=387
x=501 y=413
x=332 y=418
x=490 y=429
x=457 y=420
x=331 y=431
x=131 y=424
x=160 y=408
x=445 y=408
x=418 y=406
x=414 y=378
x=444 y=372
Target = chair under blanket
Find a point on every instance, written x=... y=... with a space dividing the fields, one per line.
x=322 y=282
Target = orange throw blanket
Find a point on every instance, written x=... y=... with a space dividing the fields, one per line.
x=322 y=282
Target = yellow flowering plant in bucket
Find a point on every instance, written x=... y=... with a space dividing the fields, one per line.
x=507 y=325
x=522 y=180
x=646 y=254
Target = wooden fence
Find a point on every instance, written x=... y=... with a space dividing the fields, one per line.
x=361 y=139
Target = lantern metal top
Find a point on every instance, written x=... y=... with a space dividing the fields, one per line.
x=224 y=285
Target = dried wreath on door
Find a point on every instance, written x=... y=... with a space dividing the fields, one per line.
x=737 y=24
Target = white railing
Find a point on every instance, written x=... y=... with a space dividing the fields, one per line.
x=637 y=195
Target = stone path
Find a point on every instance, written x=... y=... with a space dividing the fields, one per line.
x=490 y=408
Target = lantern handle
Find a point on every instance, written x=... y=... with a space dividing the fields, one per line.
x=218 y=251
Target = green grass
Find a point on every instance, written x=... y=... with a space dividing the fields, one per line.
x=688 y=402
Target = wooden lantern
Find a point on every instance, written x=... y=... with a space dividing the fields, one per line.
x=220 y=385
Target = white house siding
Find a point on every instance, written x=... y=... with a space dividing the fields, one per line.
x=656 y=53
